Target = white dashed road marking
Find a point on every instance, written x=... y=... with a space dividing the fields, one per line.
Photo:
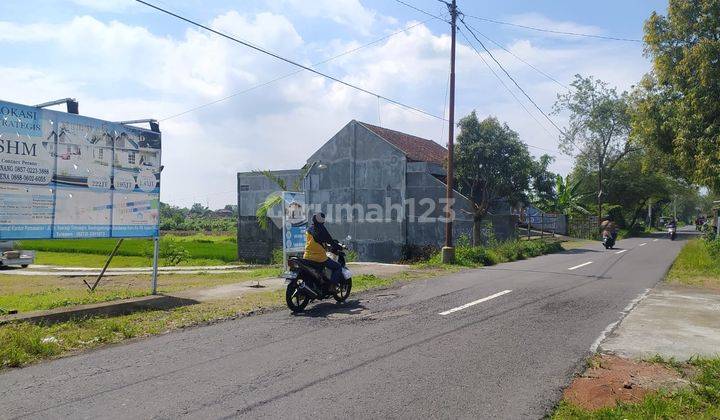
x=581 y=265
x=655 y=240
x=643 y=244
x=621 y=251
x=475 y=302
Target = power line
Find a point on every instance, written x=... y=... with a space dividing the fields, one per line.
x=519 y=87
x=503 y=83
x=287 y=60
x=497 y=76
x=520 y=59
x=532 y=28
x=425 y=12
x=284 y=76
x=511 y=78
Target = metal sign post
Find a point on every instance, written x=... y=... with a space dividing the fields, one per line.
x=156 y=252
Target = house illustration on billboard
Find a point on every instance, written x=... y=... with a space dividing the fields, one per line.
x=294 y=213
x=134 y=152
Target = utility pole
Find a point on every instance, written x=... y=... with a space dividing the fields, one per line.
x=600 y=191
x=448 y=251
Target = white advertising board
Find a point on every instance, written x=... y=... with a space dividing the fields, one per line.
x=68 y=176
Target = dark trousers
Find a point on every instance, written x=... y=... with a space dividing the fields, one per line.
x=336 y=269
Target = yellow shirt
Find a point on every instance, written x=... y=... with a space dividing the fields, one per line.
x=313 y=250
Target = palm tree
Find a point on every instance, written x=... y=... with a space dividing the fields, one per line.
x=275 y=198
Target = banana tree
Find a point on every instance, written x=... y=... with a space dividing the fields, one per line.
x=568 y=198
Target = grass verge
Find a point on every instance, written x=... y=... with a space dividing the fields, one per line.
x=502 y=252
x=74 y=259
x=30 y=293
x=701 y=400
x=24 y=343
x=696 y=266
x=195 y=249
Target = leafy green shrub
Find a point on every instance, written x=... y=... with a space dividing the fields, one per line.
x=276 y=257
x=173 y=252
x=713 y=247
x=499 y=252
x=351 y=255
x=475 y=256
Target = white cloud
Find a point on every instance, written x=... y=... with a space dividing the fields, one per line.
x=540 y=21
x=121 y=71
x=350 y=13
x=106 y=5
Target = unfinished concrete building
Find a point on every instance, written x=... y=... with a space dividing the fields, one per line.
x=384 y=188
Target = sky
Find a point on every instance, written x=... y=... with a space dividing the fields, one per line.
x=123 y=60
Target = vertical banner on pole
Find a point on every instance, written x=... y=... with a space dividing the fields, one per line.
x=294 y=223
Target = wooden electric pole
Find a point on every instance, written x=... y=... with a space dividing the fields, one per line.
x=448 y=251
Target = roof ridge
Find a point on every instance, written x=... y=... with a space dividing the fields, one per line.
x=414 y=147
x=398 y=131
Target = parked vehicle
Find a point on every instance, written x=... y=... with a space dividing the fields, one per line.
x=308 y=280
x=10 y=256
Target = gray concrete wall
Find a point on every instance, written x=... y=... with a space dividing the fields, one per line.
x=255 y=244
x=424 y=193
x=259 y=187
x=363 y=178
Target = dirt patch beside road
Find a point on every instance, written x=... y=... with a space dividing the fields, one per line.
x=611 y=379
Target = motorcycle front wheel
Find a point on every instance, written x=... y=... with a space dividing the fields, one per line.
x=343 y=291
x=296 y=300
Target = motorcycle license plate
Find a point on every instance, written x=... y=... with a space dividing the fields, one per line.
x=346 y=273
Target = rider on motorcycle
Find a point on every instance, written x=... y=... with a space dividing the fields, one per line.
x=609 y=228
x=316 y=238
x=672 y=223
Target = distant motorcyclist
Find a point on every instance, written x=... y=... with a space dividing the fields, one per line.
x=672 y=223
x=609 y=228
x=316 y=239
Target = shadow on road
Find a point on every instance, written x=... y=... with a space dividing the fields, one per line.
x=578 y=251
x=322 y=310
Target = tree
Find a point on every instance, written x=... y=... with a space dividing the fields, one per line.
x=567 y=198
x=492 y=164
x=633 y=186
x=599 y=125
x=275 y=198
x=198 y=209
x=679 y=110
x=543 y=181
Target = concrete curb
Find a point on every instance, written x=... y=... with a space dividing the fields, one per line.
x=113 y=308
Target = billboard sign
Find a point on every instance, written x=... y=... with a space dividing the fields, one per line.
x=68 y=176
x=294 y=221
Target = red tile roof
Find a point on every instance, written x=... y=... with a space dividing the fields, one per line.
x=415 y=148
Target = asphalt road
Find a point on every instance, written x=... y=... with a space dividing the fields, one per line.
x=385 y=354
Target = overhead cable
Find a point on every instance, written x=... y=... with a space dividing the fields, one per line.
x=532 y=28
x=286 y=75
x=289 y=61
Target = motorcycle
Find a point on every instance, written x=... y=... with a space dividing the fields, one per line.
x=671 y=233
x=608 y=240
x=309 y=280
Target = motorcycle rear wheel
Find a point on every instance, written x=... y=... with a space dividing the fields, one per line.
x=295 y=300
x=343 y=291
